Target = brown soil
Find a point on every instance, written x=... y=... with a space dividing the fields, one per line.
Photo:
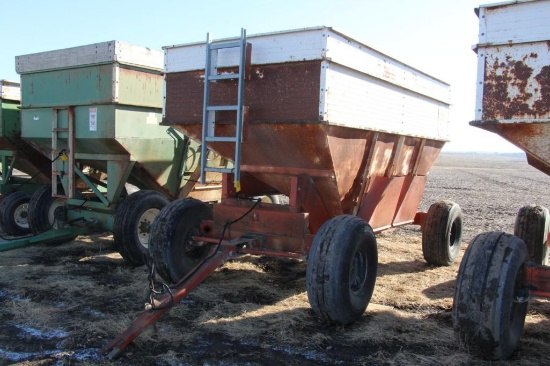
x=60 y=304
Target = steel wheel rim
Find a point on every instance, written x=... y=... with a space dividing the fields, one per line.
x=192 y=248
x=51 y=213
x=20 y=216
x=144 y=226
x=453 y=236
x=358 y=271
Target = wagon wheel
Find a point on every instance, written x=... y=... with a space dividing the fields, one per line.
x=490 y=304
x=132 y=224
x=42 y=213
x=341 y=269
x=442 y=233
x=172 y=248
x=14 y=209
x=42 y=208
x=532 y=227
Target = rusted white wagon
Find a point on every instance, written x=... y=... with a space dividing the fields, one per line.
x=347 y=133
x=500 y=272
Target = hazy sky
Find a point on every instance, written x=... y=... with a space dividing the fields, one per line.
x=434 y=36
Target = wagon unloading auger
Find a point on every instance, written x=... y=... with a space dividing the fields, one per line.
x=322 y=119
x=501 y=272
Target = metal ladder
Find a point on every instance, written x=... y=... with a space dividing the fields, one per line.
x=209 y=111
x=65 y=155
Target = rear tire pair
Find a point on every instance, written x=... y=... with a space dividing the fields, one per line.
x=490 y=302
x=22 y=213
x=131 y=225
x=133 y=220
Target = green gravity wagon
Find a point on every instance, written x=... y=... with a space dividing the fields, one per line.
x=94 y=112
x=23 y=168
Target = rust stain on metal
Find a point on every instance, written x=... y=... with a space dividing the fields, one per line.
x=325 y=170
x=512 y=91
x=530 y=137
x=542 y=106
x=281 y=92
x=497 y=100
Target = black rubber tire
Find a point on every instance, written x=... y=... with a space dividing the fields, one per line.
x=442 y=233
x=14 y=211
x=42 y=208
x=489 y=306
x=171 y=247
x=341 y=269
x=39 y=210
x=132 y=224
x=531 y=226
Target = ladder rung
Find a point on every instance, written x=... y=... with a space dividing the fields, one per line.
x=220 y=139
x=222 y=108
x=224 y=76
x=208 y=115
x=60 y=129
x=219 y=170
x=232 y=44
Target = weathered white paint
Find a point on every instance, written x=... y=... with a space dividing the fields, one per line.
x=358 y=100
x=513 y=32
x=93 y=54
x=359 y=86
x=10 y=90
x=514 y=22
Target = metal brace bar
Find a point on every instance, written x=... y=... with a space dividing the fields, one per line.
x=92 y=186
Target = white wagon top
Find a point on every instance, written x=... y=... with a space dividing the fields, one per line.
x=513 y=22
x=306 y=44
x=93 y=54
x=360 y=87
x=9 y=90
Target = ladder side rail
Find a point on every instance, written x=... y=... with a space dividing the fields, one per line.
x=239 y=122
x=209 y=112
x=54 y=151
x=71 y=148
x=205 y=113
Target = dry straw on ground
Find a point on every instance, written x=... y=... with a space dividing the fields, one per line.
x=60 y=304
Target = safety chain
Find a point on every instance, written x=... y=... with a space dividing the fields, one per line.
x=154 y=292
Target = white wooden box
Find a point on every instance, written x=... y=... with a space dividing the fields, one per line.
x=315 y=75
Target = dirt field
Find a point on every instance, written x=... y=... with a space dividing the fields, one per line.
x=59 y=305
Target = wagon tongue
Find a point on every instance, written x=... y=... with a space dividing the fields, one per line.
x=225 y=252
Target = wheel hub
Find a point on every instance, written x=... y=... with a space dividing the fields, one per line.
x=20 y=216
x=144 y=226
x=358 y=271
